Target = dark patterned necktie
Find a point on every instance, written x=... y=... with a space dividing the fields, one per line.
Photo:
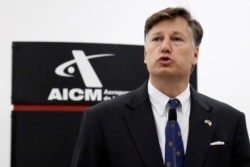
x=174 y=150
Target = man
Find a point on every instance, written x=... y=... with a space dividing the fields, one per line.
x=129 y=131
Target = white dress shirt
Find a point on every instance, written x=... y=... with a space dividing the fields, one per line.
x=160 y=107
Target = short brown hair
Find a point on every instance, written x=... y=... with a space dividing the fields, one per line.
x=172 y=13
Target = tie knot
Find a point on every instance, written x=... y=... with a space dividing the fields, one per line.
x=174 y=103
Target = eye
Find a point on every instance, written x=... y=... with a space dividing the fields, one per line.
x=157 y=39
x=177 y=39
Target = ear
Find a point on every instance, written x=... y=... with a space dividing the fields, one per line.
x=145 y=56
x=196 y=55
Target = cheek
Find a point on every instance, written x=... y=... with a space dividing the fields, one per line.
x=190 y=56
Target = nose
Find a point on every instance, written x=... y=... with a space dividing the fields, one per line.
x=165 y=46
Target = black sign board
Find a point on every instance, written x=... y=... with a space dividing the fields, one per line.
x=74 y=73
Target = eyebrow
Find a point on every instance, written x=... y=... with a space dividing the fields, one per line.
x=157 y=33
x=173 y=33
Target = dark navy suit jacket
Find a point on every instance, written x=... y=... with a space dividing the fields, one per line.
x=122 y=133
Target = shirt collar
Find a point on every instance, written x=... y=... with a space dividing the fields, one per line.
x=159 y=100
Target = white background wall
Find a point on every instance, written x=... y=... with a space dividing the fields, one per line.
x=223 y=70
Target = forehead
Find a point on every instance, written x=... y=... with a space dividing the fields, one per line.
x=176 y=25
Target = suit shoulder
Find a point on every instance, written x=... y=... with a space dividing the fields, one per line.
x=116 y=104
x=129 y=100
x=113 y=102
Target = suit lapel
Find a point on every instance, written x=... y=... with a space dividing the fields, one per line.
x=141 y=125
x=201 y=129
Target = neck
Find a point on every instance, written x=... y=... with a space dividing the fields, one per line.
x=169 y=87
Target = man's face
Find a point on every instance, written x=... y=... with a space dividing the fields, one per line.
x=169 y=50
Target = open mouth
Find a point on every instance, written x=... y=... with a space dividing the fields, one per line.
x=165 y=59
